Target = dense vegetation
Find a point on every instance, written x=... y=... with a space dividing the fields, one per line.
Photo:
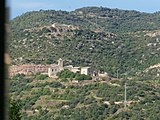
x=120 y=42
x=62 y=100
x=40 y=76
x=14 y=110
x=77 y=76
x=106 y=39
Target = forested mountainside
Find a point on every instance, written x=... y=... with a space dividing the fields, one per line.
x=107 y=39
x=120 y=42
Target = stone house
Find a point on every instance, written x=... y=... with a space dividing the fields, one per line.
x=73 y=69
x=54 y=69
x=86 y=70
x=76 y=69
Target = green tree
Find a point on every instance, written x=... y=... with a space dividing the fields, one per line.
x=41 y=77
x=14 y=110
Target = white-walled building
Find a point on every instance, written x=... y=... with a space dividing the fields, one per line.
x=76 y=69
x=86 y=70
x=53 y=70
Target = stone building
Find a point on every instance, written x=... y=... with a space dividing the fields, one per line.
x=69 y=67
x=28 y=69
x=54 y=69
x=81 y=70
x=51 y=69
x=75 y=69
x=86 y=70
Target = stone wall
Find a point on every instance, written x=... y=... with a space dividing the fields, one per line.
x=28 y=69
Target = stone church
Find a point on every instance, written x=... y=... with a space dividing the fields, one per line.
x=51 y=69
x=54 y=69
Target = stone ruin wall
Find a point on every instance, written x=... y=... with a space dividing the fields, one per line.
x=28 y=69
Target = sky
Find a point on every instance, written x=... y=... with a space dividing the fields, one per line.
x=18 y=7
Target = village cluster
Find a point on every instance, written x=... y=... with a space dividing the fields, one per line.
x=52 y=69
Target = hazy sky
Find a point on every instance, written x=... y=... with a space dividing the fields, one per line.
x=17 y=7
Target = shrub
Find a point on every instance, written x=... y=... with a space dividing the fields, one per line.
x=41 y=77
x=82 y=77
x=18 y=76
x=68 y=74
x=56 y=84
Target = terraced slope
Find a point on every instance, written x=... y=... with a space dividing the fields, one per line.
x=63 y=99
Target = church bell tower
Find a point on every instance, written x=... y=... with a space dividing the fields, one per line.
x=60 y=62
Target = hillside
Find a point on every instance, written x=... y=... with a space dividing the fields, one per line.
x=64 y=99
x=107 y=39
x=120 y=42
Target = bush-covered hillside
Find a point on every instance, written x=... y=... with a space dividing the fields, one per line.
x=62 y=99
x=107 y=39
